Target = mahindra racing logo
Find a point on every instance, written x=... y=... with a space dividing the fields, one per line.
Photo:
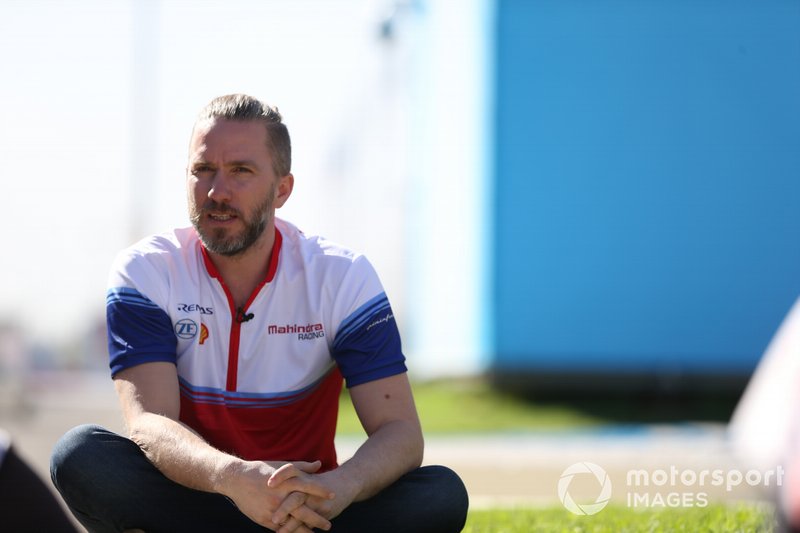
x=304 y=332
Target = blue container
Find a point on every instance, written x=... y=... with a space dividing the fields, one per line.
x=647 y=188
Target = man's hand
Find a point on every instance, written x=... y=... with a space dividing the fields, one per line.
x=394 y=446
x=246 y=483
x=342 y=488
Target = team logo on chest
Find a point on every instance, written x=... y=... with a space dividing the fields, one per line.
x=195 y=308
x=186 y=328
x=304 y=332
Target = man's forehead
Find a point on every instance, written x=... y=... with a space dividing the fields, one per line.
x=229 y=135
x=226 y=126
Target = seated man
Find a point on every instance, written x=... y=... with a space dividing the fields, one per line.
x=228 y=343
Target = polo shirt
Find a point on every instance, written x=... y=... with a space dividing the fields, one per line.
x=263 y=381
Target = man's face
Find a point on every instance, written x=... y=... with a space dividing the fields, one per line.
x=232 y=188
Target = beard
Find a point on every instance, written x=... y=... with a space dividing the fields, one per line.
x=220 y=240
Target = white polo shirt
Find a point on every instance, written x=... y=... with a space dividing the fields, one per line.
x=261 y=382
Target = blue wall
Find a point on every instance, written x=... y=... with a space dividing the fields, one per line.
x=647 y=183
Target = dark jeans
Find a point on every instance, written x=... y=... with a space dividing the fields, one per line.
x=110 y=485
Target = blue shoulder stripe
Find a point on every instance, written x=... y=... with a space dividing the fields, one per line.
x=360 y=316
x=128 y=296
x=138 y=330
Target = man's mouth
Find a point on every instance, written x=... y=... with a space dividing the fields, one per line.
x=221 y=217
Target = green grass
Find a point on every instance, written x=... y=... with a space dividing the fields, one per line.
x=618 y=519
x=472 y=406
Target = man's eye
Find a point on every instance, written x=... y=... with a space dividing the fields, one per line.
x=241 y=170
x=202 y=169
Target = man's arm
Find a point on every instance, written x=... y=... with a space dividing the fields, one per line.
x=394 y=447
x=150 y=398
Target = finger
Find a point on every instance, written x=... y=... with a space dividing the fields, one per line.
x=309 y=468
x=287 y=471
x=301 y=528
x=291 y=479
x=296 y=526
x=309 y=485
x=290 y=470
x=289 y=504
x=311 y=517
x=302 y=525
x=304 y=515
x=290 y=526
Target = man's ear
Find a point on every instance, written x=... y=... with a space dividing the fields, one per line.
x=284 y=190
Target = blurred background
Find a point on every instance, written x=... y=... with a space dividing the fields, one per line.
x=388 y=105
x=557 y=188
x=567 y=197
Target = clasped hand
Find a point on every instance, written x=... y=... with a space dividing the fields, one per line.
x=302 y=509
x=294 y=498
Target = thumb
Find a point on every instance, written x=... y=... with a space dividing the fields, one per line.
x=290 y=470
x=309 y=468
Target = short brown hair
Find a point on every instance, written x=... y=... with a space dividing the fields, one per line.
x=242 y=107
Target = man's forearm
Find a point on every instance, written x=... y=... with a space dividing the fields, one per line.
x=393 y=450
x=180 y=454
x=187 y=459
x=151 y=406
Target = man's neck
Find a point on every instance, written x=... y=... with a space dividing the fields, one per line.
x=244 y=272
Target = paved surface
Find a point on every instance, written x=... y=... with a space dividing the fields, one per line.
x=499 y=469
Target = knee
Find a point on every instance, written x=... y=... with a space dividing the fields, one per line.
x=74 y=455
x=451 y=493
x=451 y=484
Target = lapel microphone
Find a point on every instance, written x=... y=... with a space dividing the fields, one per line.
x=242 y=317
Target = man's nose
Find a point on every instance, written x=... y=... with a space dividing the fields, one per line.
x=220 y=190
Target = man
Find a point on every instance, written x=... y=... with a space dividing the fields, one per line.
x=228 y=344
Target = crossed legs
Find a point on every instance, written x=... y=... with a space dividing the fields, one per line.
x=110 y=486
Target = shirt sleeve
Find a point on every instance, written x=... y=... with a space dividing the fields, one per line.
x=139 y=330
x=367 y=343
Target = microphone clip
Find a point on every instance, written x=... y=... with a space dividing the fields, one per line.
x=242 y=317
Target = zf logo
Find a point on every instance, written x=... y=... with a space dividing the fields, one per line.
x=186 y=329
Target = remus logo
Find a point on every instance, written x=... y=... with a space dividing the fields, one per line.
x=191 y=308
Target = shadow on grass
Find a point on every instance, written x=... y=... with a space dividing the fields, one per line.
x=484 y=404
x=646 y=409
x=628 y=398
